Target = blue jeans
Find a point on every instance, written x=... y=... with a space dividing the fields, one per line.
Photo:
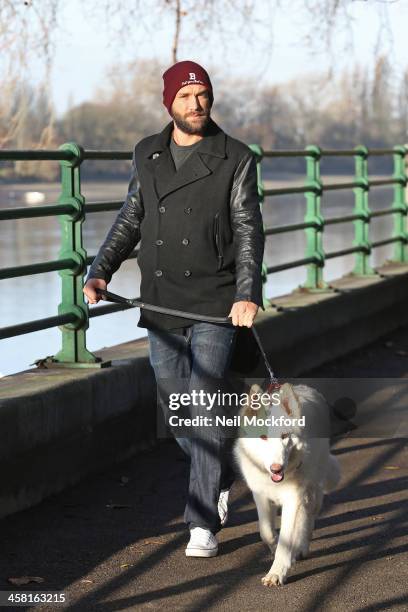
x=204 y=350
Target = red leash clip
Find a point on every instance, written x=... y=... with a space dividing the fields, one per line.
x=273 y=385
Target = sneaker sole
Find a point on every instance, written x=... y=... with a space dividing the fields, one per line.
x=200 y=552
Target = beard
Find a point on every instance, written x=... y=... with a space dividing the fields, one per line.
x=191 y=125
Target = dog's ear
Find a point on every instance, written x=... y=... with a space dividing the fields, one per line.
x=289 y=401
x=255 y=388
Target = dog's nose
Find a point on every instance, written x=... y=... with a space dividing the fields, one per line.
x=276 y=467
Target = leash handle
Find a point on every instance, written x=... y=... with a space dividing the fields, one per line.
x=108 y=296
x=113 y=297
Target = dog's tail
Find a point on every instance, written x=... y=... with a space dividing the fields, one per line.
x=333 y=475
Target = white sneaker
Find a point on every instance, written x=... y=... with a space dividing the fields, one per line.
x=202 y=543
x=223 y=506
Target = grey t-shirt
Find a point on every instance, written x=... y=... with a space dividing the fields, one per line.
x=180 y=154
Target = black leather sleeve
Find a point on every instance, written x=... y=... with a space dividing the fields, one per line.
x=124 y=234
x=249 y=239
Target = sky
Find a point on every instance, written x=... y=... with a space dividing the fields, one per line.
x=85 y=47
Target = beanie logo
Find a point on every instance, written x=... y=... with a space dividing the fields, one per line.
x=197 y=81
x=192 y=76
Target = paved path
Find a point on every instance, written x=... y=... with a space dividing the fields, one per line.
x=106 y=557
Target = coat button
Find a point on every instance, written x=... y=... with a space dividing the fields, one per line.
x=185 y=241
x=188 y=210
x=187 y=273
x=159 y=273
x=159 y=242
x=162 y=209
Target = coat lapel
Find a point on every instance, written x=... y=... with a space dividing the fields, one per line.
x=163 y=170
x=193 y=169
x=160 y=161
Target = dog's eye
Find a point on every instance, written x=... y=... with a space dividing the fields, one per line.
x=284 y=435
x=263 y=437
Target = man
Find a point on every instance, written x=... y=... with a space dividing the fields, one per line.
x=193 y=204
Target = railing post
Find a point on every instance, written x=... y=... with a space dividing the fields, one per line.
x=73 y=351
x=259 y=155
x=361 y=226
x=314 y=241
x=399 y=205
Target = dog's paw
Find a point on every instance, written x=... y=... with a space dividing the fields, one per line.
x=273 y=580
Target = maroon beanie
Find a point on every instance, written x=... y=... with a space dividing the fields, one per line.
x=181 y=74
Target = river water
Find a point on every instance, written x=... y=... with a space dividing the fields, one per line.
x=35 y=240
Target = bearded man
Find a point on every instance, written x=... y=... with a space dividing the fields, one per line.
x=193 y=205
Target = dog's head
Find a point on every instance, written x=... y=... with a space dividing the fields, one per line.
x=277 y=447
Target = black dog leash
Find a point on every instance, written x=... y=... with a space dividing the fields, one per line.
x=108 y=296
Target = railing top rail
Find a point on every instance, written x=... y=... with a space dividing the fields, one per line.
x=61 y=155
x=310 y=153
x=284 y=153
x=384 y=151
x=35 y=154
x=109 y=155
x=94 y=154
x=316 y=152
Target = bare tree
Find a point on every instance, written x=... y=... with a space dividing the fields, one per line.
x=26 y=34
x=317 y=21
x=28 y=30
x=403 y=106
x=320 y=20
x=193 y=20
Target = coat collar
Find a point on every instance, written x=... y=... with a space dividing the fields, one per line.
x=160 y=163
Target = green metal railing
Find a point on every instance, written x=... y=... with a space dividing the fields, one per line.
x=73 y=312
x=314 y=222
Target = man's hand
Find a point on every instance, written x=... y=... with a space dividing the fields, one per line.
x=243 y=313
x=89 y=289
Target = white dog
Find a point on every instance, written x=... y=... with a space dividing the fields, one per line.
x=288 y=465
